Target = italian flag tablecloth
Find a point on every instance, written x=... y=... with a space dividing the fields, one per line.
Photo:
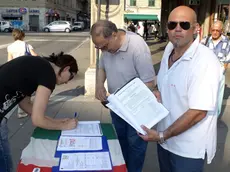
x=40 y=151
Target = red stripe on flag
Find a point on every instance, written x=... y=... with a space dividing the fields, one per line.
x=31 y=167
x=121 y=168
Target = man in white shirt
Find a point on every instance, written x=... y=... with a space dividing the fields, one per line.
x=188 y=86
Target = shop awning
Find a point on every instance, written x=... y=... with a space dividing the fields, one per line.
x=140 y=17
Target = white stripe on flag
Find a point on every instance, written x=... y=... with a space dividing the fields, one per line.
x=40 y=152
x=116 y=153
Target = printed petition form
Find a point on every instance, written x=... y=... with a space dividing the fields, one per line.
x=137 y=105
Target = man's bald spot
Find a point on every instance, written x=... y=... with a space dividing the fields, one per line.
x=97 y=31
x=219 y=24
x=103 y=28
x=184 y=9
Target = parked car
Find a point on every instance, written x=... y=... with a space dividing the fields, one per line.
x=6 y=26
x=78 y=25
x=58 y=26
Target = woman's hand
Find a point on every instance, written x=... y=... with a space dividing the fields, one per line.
x=69 y=123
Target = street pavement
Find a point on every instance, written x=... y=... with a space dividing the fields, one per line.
x=44 y=44
x=69 y=98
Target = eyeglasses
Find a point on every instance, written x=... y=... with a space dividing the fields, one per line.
x=71 y=75
x=105 y=46
x=184 y=25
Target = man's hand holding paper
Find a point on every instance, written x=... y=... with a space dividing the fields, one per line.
x=152 y=135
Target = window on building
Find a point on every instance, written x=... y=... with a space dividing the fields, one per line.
x=151 y=3
x=132 y=2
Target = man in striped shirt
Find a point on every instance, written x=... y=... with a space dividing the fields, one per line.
x=220 y=45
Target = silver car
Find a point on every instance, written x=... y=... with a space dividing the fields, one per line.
x=78 y=26
x=58 y=26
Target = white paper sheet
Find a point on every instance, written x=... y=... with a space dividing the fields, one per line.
x=138 y=105
x=68 y=143
x=85 y=161
x=85 y=128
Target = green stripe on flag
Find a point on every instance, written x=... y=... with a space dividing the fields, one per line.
x=40 y=133
x=108 y=131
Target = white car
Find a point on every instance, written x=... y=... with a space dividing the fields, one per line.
x=6 y=26
x=78 y=25
x=58 y=26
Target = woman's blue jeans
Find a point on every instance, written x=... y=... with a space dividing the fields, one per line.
x=6 y=164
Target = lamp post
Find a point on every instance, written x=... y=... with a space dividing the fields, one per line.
x=97 y=51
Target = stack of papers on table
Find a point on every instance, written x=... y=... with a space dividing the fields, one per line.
x=85 y=128
x=83 y=149
x=90 y=161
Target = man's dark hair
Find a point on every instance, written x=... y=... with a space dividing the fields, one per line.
x=63 y=60
x=103 y=28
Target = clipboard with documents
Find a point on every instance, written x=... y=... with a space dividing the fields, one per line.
x=137 y=105
x=83 y=149
x=70 y=144
x=85 y=161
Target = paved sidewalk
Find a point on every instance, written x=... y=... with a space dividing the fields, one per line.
x=65 y=103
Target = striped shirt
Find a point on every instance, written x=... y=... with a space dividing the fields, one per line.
x=221 y=49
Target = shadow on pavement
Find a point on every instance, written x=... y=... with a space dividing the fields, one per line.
x=158 y=50
x=79 y=90
x=150 y=42
x=219 y=161
x=226 y=96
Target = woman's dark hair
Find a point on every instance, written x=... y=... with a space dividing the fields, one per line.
x=63 y=60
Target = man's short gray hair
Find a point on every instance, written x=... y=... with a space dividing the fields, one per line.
x=104 y=28
x=218 y=22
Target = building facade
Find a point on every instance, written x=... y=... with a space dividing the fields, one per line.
x=35 y=14
x=143 y=7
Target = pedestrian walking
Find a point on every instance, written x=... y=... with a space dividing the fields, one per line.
x=125 y=55
x=188 y=83
x=19 y=48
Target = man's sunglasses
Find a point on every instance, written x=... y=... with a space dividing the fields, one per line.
x=184 y=25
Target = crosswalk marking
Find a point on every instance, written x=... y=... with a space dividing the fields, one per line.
x=6 y=45
x=43 y=40
x=59 y=40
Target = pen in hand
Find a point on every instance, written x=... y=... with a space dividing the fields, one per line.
x=76 y=115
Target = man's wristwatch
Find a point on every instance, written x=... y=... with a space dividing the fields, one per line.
x=161 y=135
